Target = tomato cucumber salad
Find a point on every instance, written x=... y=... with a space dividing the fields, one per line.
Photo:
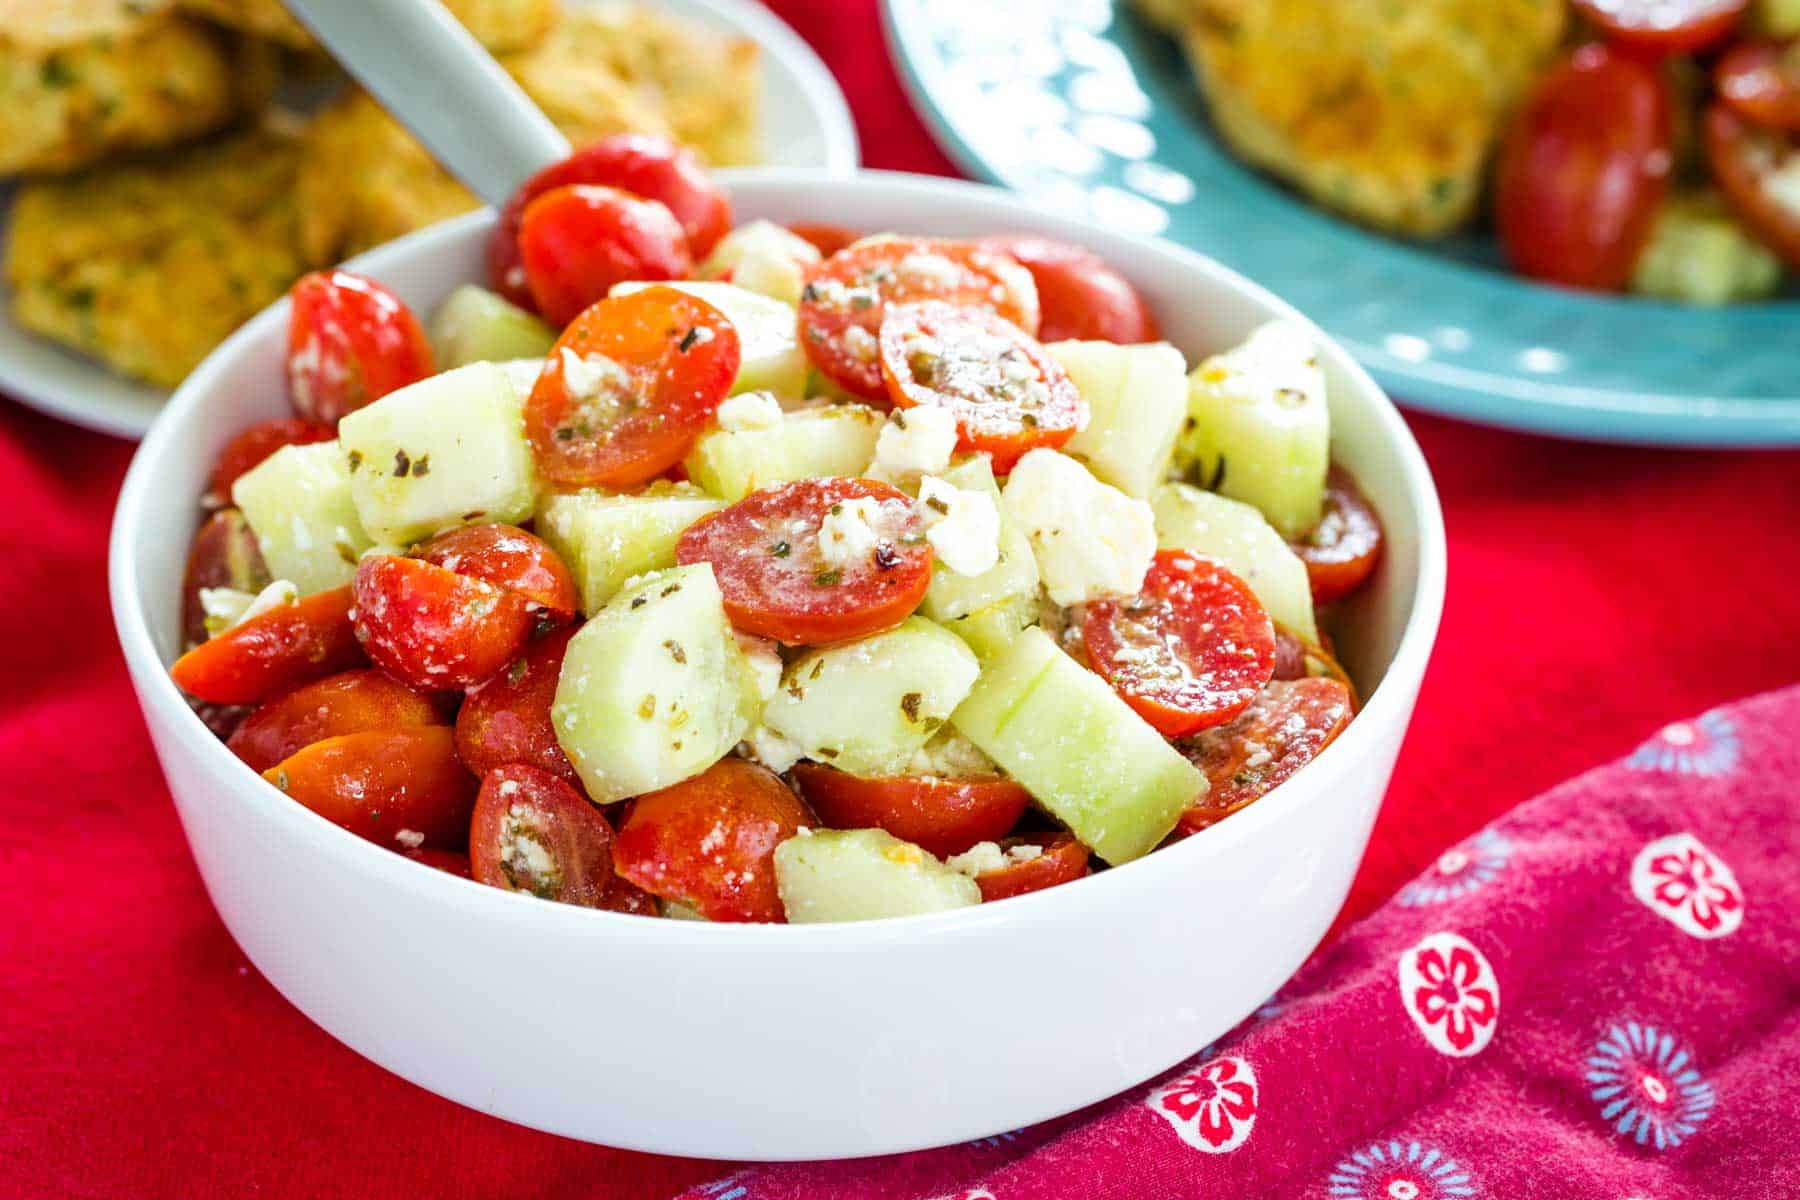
x=767 y=573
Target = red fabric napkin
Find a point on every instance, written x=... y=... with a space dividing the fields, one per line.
x=1592 y=997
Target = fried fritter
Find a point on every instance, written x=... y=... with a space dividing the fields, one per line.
x=149 y=266
x=500 y=25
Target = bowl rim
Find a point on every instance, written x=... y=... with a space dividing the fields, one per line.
x=1388 y=705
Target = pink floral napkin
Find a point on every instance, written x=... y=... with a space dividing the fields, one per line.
x=1596 y=997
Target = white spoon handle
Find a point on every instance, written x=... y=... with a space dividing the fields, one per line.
x=437 y=80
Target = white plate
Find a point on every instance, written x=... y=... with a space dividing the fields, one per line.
x=805 y=123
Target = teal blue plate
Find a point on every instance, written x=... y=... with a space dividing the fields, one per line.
x=1082 y=107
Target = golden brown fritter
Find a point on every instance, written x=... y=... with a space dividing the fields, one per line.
x=149 y=266
x=500 y=25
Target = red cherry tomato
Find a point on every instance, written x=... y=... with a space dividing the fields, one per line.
x=666 y=361
x=354 y=702
x=433 y=629
x=1296 y=658
x=1064 y=860
x=1743 y=158
x=1761 y=80
x=450 y=862
x=399 y=788
x=826 y=239
x=534 y=833
x=273 y=653
x=509 y=558
x=1007 y=394
x=776 y=582
x=350 y=342
x=1341 y=551
x=576 y=242
x=1080 y=296
x=1286 y=728
x=507 y=719
x=249 y=448
x=944 y=816
x=847 y=295
x=1660 y=27
x=624 y=896
x=709 y=842
x=225 y=554
x=1582 y=170
x=1189 y=651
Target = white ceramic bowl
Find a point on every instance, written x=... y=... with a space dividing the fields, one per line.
x=777 y=1042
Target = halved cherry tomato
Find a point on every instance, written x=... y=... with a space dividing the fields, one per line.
x=399 y=788
x=1743 y=158
x=507 y=557
x=1341 y=551
x=276 y=652
x=847 y=295
x=350 y=342
x=434 y=629
x=576 y=242
x=225 y=554
x=1007 y=394
x=507 y=719
x=534 y=833
x=709 y=842
x=1761 y=80
x=450 y=862
x=1080 y=296
x=826 y=239
x=354 y=702
x=1286 y=728
x=649 y=369
x=645 y=165
x=249 y=448
x=624 y=896
x=776 y=582
x=1189 y=651
x=1583 y=168
x=1064 y=860
x=1663 y=26
x=944 y=816
x=1296 y=658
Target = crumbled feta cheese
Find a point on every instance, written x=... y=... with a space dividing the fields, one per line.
x=227 y=608
x=749 y=411
x=765 y=746
x=1090 y=539
x=847 y=536
x=520 y=846
x=522 y=373
x=1276 y=361
x=764 y=661
x=860 y=343
x=986 y=857
x=949 y=755
x=914 y=442
x=412 y=839
x=931 y=272
x=962 y=526
x=587 y=375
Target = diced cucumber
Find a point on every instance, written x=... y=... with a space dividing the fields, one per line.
x=768 y=335
x=867 y=706
x=764 y=258
x=1777 y=18
x=1236 y=534
x=1010 y=586
x=476 y=325
x=1080 y=751
x=298 y=502
x=1699 y=254
x=1137 y=399
x=1258 y=429
x=990 y=630
x=653 y=688
x=446 y=451
x=863 y=875
x=806 y=443
x=606 y=539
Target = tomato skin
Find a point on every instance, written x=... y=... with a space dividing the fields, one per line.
x=248 y=449
x=1761 y=81
x=1659 y=27
x=434 y=629
x=944 y=816
x=1289 y=725
x=1064 y=860
x=273 y=653
x=225 y=553
x=353 y=702
x=624 y=896
x=644 y=165
x=1341 y=552
x=507 y=719
x=350 y=342
x=1079 y=295
x=509 y=558
x=576 y=242
x=826 y=239
x=1582 y=170
x=535 y=834
x=1296 y=658
x=450 y=862
x=741 y=811
x=399 y=788
x=1732 y=150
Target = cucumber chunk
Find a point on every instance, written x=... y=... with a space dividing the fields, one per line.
x=768 y=335
x=1776 y=18
x=443 y=452
x=763 y=257
x=1137 y=400
x=985 y=610
x=1080 y=751
x=804 y=444
x=1699 y=254
x=1236 y=534
x=867 y=706
x=476 y=325
x=653 y=688
x=863 y=875
x=990 y=630
x=1258 y=429
x=298 y=503
x=606 y=539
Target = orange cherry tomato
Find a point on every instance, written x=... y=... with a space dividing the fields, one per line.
x=709 y=842
x=1064 y=860
x=1283 y=730
x=1080 y=296
x=944 y=816
x=577 y=241
x=450 y=862
x=1659 y=27
x=666 y=360
x=775 y=580
x=433 y=629
x=847 y=295
x=225 y=554
x=1761 y=80
x=826 y=239
x=507 y=719
x=273 y=653
x=644 y=165
x=1191 y=650
x=354 y=702
x=350 y=342
x=247 y=450
x=1743 y=159
x=1341 y=551
x=534 y=833
x=1583 y=168
x=399 y=788
x=510 y=558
